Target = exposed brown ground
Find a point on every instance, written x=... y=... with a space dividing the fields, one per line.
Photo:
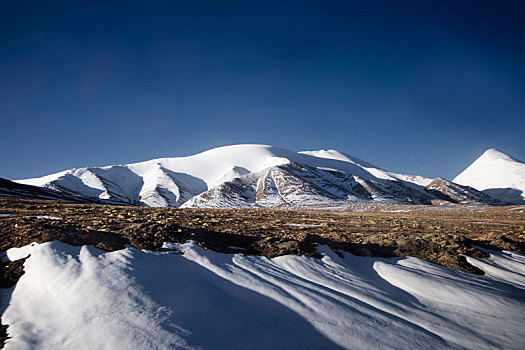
x=437 y=234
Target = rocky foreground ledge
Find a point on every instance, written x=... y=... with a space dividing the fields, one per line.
x=441 y=235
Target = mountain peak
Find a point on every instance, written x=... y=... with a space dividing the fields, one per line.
x=493 y=154
x=496 y=174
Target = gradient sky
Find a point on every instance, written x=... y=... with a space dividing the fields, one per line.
x=418 y=87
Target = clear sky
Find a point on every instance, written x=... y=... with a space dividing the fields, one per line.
x=418 y=87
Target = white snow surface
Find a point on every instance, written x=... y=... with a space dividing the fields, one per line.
x=372 y=169
x=47 y=217
x=496 y=174
x=305 y=225
x=333 y=154
x=84 y=298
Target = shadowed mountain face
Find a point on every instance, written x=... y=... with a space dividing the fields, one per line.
x=13 y=189
x=255 y=176
x=510 y=195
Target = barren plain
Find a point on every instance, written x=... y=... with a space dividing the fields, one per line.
x=439 y=234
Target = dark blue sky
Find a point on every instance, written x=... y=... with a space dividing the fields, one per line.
x=421 y=87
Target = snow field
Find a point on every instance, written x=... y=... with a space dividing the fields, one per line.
x=84 y=298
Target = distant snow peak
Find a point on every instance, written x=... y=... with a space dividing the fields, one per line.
x=496 y=174
x=253 y=176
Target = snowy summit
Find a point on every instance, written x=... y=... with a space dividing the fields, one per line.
x=498 y=175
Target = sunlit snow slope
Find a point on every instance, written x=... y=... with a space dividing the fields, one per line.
x=498 y=175
x=247 y=176
x=84 y=298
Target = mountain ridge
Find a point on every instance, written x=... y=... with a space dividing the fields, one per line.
x=252 y=176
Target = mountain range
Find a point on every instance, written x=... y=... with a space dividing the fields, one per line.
x=252 y=176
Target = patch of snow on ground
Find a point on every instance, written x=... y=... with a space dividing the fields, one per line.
x=34 y=217
x=305 y=225
x=43 y=217
x=236 y=248
x=84 y=298
x=517 y=208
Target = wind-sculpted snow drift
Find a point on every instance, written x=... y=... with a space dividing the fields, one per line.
x=251 y=176
x=84 y=298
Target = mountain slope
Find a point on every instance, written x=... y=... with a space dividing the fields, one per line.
x=497 y=175
x=245 y=176
x=13 y=189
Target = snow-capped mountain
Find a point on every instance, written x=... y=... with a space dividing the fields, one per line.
x=497 y=175
x=244 y=176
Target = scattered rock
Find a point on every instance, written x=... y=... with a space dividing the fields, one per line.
x=437 y=234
